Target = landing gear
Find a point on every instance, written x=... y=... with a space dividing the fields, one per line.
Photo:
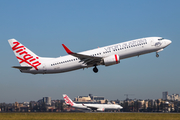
x=95 y=69
x=157 y=55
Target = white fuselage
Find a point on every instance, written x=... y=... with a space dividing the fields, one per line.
x=98 y=107
x=123 y=50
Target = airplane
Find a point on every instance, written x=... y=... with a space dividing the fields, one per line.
x=92 y=107
x=108 y=55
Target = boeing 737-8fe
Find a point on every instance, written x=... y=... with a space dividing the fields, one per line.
x=93 y=107
x=108 y=55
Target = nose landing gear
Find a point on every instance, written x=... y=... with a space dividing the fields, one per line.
x=95 y=69
x=157 y=55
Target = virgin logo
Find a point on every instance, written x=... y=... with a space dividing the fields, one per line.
x=158 y=44
x=68 y=101
x=26 y=57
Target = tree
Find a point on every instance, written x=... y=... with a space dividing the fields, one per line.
x=136 y=106
x=36 y=108
x=43 y=107
x=162 y=106
x=125 y=106
x=144 y=106
x=149 y=106
x=61 y=105
x=158 y=107
x=30 y=106
x=106 y=101
x=154 y=106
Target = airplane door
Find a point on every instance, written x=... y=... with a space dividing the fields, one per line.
x=44 y=68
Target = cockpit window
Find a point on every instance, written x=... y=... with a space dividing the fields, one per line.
x=160 y=39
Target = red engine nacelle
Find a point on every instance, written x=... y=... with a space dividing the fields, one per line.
x=111 y=60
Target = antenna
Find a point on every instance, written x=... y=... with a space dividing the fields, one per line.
x=128 y=95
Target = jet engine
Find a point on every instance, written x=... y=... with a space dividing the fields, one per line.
x=111 y=60
x=100 y=110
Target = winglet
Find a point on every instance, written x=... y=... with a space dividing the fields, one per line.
x=67 y=49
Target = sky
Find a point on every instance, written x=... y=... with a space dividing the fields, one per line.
x=44 y=25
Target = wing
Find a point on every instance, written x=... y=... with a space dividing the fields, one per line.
x=87 y=59
x=91 y=107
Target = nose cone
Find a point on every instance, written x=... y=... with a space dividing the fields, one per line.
x=169 y=42
x=120 y=107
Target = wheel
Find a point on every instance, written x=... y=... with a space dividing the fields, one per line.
x=95 y=69
x=157 y=55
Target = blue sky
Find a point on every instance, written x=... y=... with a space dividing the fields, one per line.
x=43 y=26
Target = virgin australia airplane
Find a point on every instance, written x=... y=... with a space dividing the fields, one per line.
x=93 y=107
x=108 y=55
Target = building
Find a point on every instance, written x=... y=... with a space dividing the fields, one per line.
x=90 y=98
x=98 y=98
x=164 y=95
x=83 y=99
x=47 y=100
x=173 y=97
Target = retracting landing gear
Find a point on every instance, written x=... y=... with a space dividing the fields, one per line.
x=95 y=69
x=157 y=55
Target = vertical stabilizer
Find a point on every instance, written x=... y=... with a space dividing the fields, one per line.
x=68 y=101
x=24 y=55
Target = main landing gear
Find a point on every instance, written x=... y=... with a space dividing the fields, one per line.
x=95 y=69
x=157 y=55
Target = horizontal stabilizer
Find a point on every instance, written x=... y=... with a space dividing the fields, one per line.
x=22 y=67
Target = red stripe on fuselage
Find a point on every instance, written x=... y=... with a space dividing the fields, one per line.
x=116 y=59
